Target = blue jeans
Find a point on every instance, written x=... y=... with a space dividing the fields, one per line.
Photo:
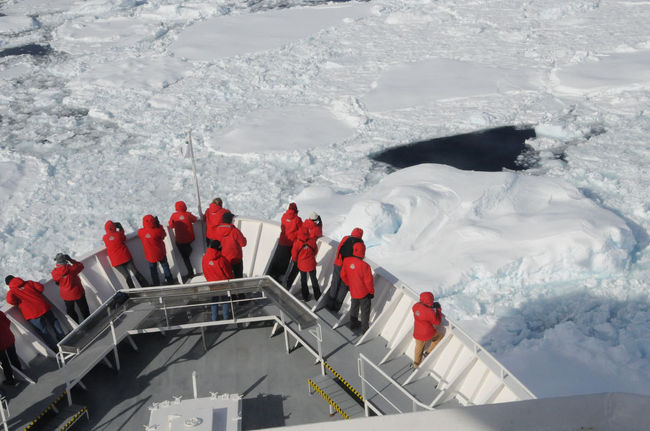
x=225 y=309
x=153 y=268
x=41 y=324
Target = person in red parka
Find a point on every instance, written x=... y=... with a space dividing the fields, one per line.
x=303 y=254
x=8 y=355
x=66 y=275
x=338 y=289
x=181 y=222
x=290 y=224
x=213 y=218
x=119 y=254
x=28 y=296
x=357 y=275
x=152 y=236
x=217 y=268
x=427 y=315
x=232 y=241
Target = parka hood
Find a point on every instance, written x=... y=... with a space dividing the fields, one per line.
x=427 y=298
x=148 y=221
x=110 y=227
x=180 y=206
x=359 y=250
x=212 y=253
x=357 y=232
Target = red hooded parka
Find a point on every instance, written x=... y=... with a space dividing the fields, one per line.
x=425 y=318
x=304 y=251
x=181 y=221
x=290 y=225
x=215 y=266
x=354 y=237
x=118 y=252
x=232 y=241
x=67 y=277
x=357 y=274
x=152 y=239
x=213 y=217
x=28 y=296
x=6 y=336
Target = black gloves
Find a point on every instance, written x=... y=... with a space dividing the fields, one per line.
x=157 y=221
x=118 y=226
x=370 y=295
x=436 y=305
x=68 y=258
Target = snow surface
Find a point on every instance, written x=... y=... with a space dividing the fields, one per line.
x=547 y=268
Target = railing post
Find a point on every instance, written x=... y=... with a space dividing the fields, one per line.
x=362 y=374
x=3 y=405
x=194 y=387
x=319 y=332
x=117 y=357
x=284 y=327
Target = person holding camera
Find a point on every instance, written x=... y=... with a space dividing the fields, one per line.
x=427 y=315
x=152 y=235
x=28 y=296
x=357 y=275
x=66 y=275
x=119 y=254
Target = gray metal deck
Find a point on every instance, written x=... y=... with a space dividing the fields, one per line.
x=237 y=358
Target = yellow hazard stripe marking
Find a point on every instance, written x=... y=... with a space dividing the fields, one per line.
x=45 y=411
x=73 y=419
x=342 y=380
x=328 y=399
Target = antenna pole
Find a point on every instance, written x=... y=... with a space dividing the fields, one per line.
x=196 y=181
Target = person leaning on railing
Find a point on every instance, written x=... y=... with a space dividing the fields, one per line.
x=119 y=254
x=28 y=296
x=427 y=314
x=357 y=275
x=66 y=275
x=181 y=222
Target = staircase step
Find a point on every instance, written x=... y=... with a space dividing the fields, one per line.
x=346 y=404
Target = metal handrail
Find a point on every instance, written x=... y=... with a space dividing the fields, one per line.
x=364 y=382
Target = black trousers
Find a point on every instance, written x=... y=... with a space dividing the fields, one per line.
x=338 y=290
x=314 y=284
x=186 y=251
x=279 y=262
x=292 y=273
x=124 y=270
x=8 y=357
x=82 y=304
x=364 y=305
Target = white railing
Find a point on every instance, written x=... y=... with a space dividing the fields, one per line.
x=366 y=383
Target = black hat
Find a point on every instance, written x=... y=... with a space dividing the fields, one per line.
x=8 y=279
x=215 y=244
x=227 y=217
x=60 y=259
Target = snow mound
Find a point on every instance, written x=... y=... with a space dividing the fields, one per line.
x=486 y=225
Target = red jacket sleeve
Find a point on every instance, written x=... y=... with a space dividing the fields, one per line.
x=294 y=251
x=241 y=239
x=368 y=280
x=36 y=285
x=12 y=299
x=192 y=218
x=77 y=267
